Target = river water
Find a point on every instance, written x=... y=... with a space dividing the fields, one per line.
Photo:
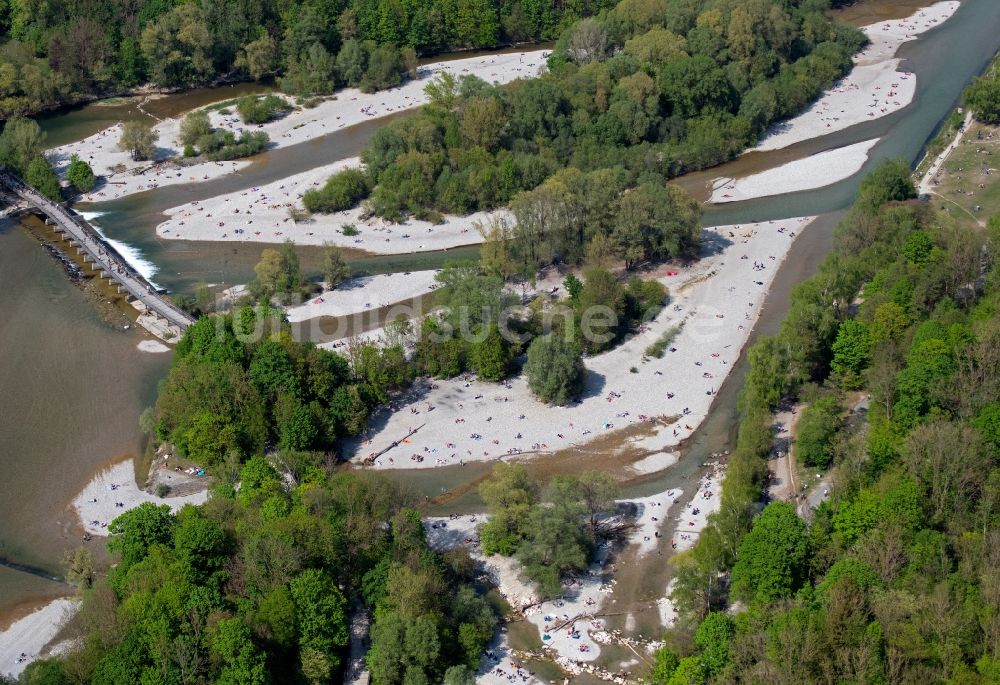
x=72 y=387
x=75 y=386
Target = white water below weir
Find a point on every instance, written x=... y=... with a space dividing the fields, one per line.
x=98 y=252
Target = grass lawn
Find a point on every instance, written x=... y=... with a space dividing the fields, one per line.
x=968 y=186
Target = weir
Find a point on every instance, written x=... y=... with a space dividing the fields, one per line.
x=97 y=252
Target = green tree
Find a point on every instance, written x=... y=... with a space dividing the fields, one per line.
x=690 y=671
x=851 y=353
x=243 y=662
x=601 y=309
x=460 y=675
x=509 y=495
x=817 y=427
x=321 y=614
x=21 y=142
x=335 y=269
x=770 y=561
x=42 y=178
x=194 y=127
x=482 y=122
x=983 y=97
x=713 y=638
x=385 y=69
x=78 y=564
x=665 y=662
x=554 y=369
x=352 y=62
x=259 y=57
x=491 y=355
x=177 y=47
x=472 y=297
x=133 y=533
x=557 y=544
x=80 y=174
x=890 y=180
x=138 y=139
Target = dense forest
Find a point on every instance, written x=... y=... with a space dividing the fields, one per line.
x=257 y=586
x=60 y=51
x=894 y=579
x=631 y=98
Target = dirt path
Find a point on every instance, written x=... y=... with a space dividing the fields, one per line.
x=928 y=184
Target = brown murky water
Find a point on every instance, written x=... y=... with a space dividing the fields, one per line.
x=73 y=388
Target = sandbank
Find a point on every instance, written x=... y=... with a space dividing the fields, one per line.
x=364 y=293
x=97 y=504
x=875 y=87
x=31 y=634
x=350 y=106
x=152 y=346
x=689 y=523
x=694 y=517
x=821 y=169
x=261 y=215
x=718 y=297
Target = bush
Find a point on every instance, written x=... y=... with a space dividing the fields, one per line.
x=350 y=230
x=658 y=348
x=255 y=109
x=645 y=299
x=248 y=144
x=80 y=175
x=555 y=370
x=341 y=191
x=195 y=125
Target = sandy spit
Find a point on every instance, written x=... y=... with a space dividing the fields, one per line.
x=31 y=634
x=816 y=171
x=874 y=88
x=97 y=504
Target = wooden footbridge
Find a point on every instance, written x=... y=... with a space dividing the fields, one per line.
x=97 y=252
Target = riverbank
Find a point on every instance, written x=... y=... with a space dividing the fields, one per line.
x=930 y=179
x=717 y=300
x=874 y=88
x=124 y=176
x=113 y=491
x=24 y=641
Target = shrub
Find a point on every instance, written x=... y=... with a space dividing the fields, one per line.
x=341 y=191
x=248 y=144
x=255 y=109
x=658 y=348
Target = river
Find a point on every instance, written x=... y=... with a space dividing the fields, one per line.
x=73 y=385
x=76 y=385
